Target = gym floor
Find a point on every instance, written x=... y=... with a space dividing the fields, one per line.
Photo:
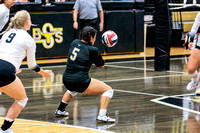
x=145 y=101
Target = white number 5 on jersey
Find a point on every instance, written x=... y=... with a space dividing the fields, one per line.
x=74 y=53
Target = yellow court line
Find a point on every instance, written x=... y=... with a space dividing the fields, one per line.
x=30 y=126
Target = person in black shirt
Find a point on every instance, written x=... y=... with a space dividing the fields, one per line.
x=82 y=54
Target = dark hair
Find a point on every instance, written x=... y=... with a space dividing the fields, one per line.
x=86 y=33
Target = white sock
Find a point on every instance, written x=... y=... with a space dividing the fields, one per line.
x=197 y=78
x=8 y=119
x=65 y=102
x=102 y=112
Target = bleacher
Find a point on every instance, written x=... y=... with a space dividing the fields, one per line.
x=183 y=17
x=183 y=13
x=187 y=17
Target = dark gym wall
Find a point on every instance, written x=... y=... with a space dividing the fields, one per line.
x=54 y=31
x=123 y=23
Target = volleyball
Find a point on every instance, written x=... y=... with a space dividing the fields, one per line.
x=109 y=38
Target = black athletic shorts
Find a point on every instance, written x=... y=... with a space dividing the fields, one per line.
x=74 y=84
x=7 y=73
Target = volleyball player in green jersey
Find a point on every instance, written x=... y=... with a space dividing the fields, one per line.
x=82 y=54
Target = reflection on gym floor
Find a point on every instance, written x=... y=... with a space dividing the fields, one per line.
x=144 y=100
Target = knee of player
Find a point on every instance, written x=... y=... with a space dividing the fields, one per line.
x=190 y=70
x=109 y=93
x=22 y=102
x=73 y=94
x=109 y=87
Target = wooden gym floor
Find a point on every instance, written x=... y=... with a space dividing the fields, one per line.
x=145 y=101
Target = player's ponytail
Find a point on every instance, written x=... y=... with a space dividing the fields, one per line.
x=86 y=33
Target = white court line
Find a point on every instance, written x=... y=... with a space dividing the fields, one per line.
x=124 y=67
x=120 y=62
x=56 y=124
x=151 y=94
x=93 y=64
x=157 y=100
x=182 y=95
x=135 y=68
x=140 y=93
x=117 y=80
x=163 y=76
x=178 y=96
x=55 y=66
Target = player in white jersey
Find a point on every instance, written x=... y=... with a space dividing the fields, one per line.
x=16 y=44
x=194 y=59
x=5 y=11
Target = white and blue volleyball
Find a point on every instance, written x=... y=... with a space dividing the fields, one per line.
x=109 y=38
